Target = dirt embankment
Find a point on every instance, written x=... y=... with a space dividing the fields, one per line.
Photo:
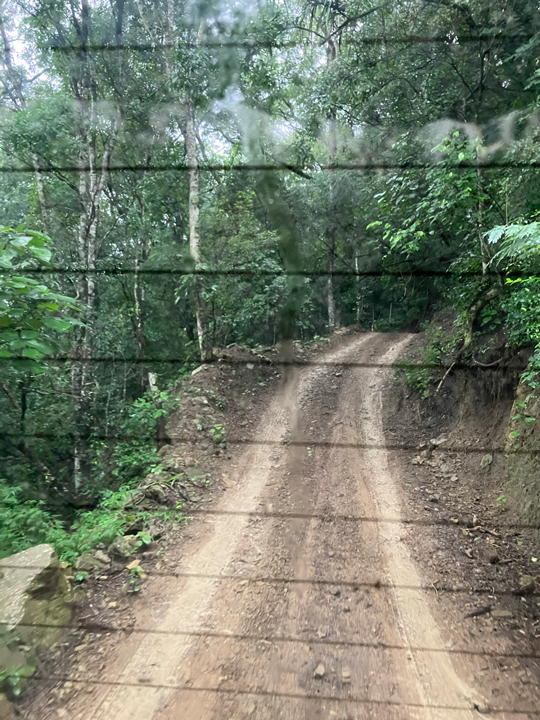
x=304 y=588
x=470 y=530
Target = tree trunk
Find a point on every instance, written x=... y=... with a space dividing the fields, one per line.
x=91 y=185
x=41 y=192
x=359 y=299
x=205 y=346
x=162 y=436
x=330 y=299
x=331 y=54
x=139 y=329
x=484 y=250
x=475 y=310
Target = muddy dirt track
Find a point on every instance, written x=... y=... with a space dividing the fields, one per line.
x=296 y=598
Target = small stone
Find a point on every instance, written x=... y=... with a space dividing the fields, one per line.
x=335 y=591
x=156 y=493
x=501 y=614
x=135 y=527
x=87 y=562
x=250 y=366
x=190 y=462
x=482 y=708
x=526 y=584
x=320 y=672
x=122 y=547
x=486 y=461
x=113 y=604
x=346 y=675
x=155 y=530
x=102 y=557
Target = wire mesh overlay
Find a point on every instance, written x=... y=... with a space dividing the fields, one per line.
x=418 y=272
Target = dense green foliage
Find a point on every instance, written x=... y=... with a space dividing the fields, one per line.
x=210 y=174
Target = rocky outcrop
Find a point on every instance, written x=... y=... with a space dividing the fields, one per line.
x=35 y=605
x=122 y=547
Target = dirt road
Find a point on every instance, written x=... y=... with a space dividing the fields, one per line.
x=296 y=598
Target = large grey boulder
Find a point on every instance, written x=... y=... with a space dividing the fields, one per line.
x=35 y=605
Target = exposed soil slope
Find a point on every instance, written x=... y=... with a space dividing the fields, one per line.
x=296 y=595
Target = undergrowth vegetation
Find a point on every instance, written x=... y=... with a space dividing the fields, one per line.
x=118 y=467
x=422 y=366
x=303 y=178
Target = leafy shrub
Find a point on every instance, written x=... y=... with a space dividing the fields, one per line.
x=218 y=433
x=422 y=364
x=31 y=314
x=24 y=523
x=92 y=527
x=134 y=454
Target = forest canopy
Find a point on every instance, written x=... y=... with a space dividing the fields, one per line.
x=177 y=176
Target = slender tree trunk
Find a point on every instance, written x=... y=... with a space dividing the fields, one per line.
x=139 y=329
x=41 y=191
x=484 y=250
x=331 y=54
x=359 y=298
x=205 y=346
x=91 y=185
x=485 y=295
x=330 y=299
x=162 y=436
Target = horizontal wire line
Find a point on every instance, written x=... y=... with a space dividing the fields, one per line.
x=284 y=443
x=453 y=40
x=354 y=585
x=267 y=363
x=286 y=167
x=325 y=517
x=214 y=634
x=336 y=517
x=351 y=699
x=241 y=272
x=342 y=517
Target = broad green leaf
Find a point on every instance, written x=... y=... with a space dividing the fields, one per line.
x=42 y=253
x=32 y=353
x=57 y=324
